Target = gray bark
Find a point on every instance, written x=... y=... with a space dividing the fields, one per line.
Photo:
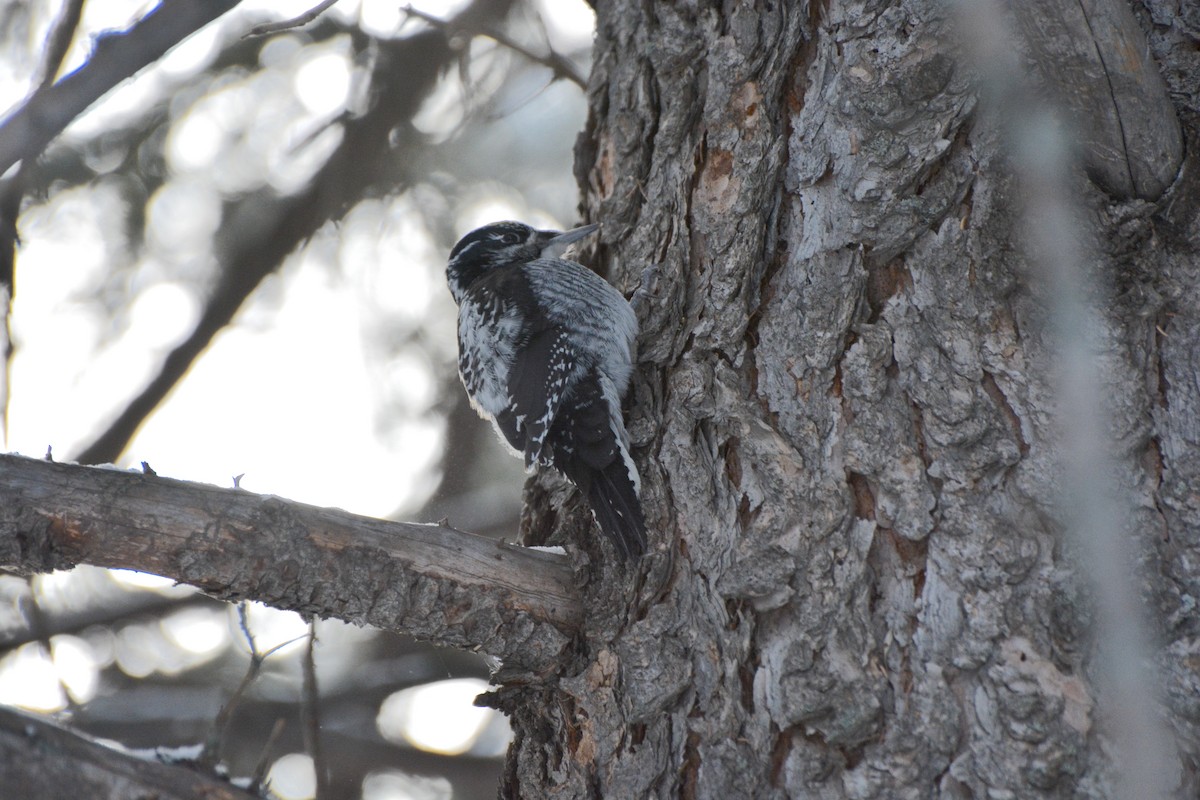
x=40 y=759
x=432 y=581
x=845 y=415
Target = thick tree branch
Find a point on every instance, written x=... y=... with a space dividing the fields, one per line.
x=431 y=581
x=27 y=132
x=41 y=759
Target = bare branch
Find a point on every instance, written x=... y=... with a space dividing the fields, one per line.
x=310 y=713
x=28 y=130
x=59 y=41
x=264 y=761
x=210 y=755
x=298 y=21
x=431 y=581
x=41 y=759
x=560 y=65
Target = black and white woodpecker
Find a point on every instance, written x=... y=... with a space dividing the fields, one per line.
x=545 y=351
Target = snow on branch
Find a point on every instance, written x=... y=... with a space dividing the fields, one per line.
x=41 y=759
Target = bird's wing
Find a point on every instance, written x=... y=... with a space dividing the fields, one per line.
x=543 y=372
x=563 y=287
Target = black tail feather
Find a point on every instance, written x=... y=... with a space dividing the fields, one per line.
x=617 y=509
x=587 y=442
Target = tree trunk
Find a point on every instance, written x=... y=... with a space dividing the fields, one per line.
x=845 y=414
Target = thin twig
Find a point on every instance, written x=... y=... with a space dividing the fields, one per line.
x=264 y=760
x=312 y=718
x=244 y=626
x=212 y=743
x=216 y=732
x=560 y=65
x=298 y=21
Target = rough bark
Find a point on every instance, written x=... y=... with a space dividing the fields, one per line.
x=432 y=581
x=1093 y=60
x=845 y=415
x=40 y=759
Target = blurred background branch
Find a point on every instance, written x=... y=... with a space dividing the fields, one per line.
x=559 y=64
x=25 y=133
x=13 y=190
x=1096 y=103
x=298 y=21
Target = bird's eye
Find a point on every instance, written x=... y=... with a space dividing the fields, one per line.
x=511 y=238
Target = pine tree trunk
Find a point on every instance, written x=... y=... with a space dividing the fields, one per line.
x=845 y=413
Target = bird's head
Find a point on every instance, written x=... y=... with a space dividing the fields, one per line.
x=503 y=244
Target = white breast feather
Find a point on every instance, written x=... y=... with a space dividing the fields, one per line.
x=481 y=357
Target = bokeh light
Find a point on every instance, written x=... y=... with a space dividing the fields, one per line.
x=29 y=680
x=76 y=666
x=436 y=717
x=293 y=777
x=199 y=631
x=396 y=785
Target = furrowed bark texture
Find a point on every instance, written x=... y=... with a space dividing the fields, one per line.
x=431 y=581
x=41 y=759
x=859 y=584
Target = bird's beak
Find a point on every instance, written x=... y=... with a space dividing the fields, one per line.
x=557 y=245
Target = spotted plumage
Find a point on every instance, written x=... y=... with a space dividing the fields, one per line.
x=546 y=353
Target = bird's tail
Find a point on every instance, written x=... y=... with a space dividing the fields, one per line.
x=591 y=448
x=615 y=504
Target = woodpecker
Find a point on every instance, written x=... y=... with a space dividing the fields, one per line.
x=545 y=351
